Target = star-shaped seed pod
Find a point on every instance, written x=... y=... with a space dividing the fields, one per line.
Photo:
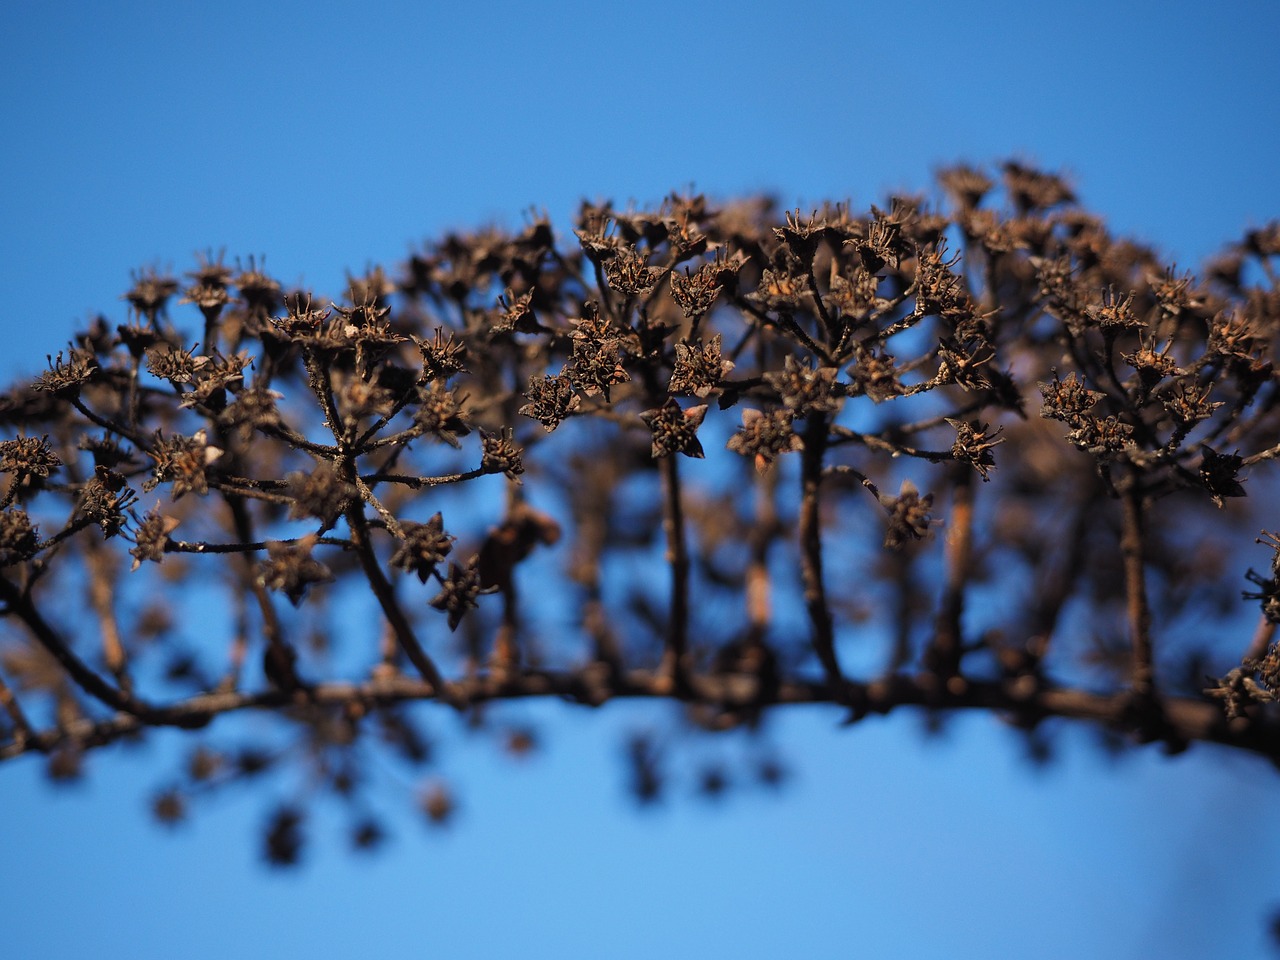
x=675 y=430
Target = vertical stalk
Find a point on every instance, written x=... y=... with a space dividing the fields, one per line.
x=815 y=594
x=945 y=651
x=1132 y=544
x=677 y=557
x=101 y=598
x=1262 y=637
x=22 y=730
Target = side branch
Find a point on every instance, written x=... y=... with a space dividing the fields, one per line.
x=383 y=590
x=20 y=605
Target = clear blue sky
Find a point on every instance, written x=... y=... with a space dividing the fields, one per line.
x=330 y=137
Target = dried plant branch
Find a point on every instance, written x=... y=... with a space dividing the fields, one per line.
x=1109 y=406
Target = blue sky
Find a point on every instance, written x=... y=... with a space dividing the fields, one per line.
x=329 y=137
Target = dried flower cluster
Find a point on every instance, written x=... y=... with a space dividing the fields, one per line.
x=485 y=455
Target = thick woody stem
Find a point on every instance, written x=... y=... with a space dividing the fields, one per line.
x=1186 y=720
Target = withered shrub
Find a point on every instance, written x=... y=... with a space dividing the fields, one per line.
x=978 y=447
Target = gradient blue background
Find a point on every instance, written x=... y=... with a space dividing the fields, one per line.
x=331 y=137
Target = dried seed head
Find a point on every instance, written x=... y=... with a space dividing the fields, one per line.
x=630 y=274
x=459 y=591
x=1113 y=316
x=699 y=367
x=150 y=292
x=30 y=459
x=104 y=500
x=1103 y=437
x=551 y=400
x=151 y=537
x=176 y=366
x=322 y=494
x=675 y=430
x=1218 y=473
x=424 y=545
x=18 y=537
x=1189 y=404
x=440 y=413
x=765 y=436
x=875 y=375
x=804 y=390
x=973 y=445
x=64 y=379
x=501 y=454
x=908 y=514
x=695 y=293
x=595 y=366
x=182 y=461
x=292 y=570
x=1067 y=400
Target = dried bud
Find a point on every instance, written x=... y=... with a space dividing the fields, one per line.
x=437 y=804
